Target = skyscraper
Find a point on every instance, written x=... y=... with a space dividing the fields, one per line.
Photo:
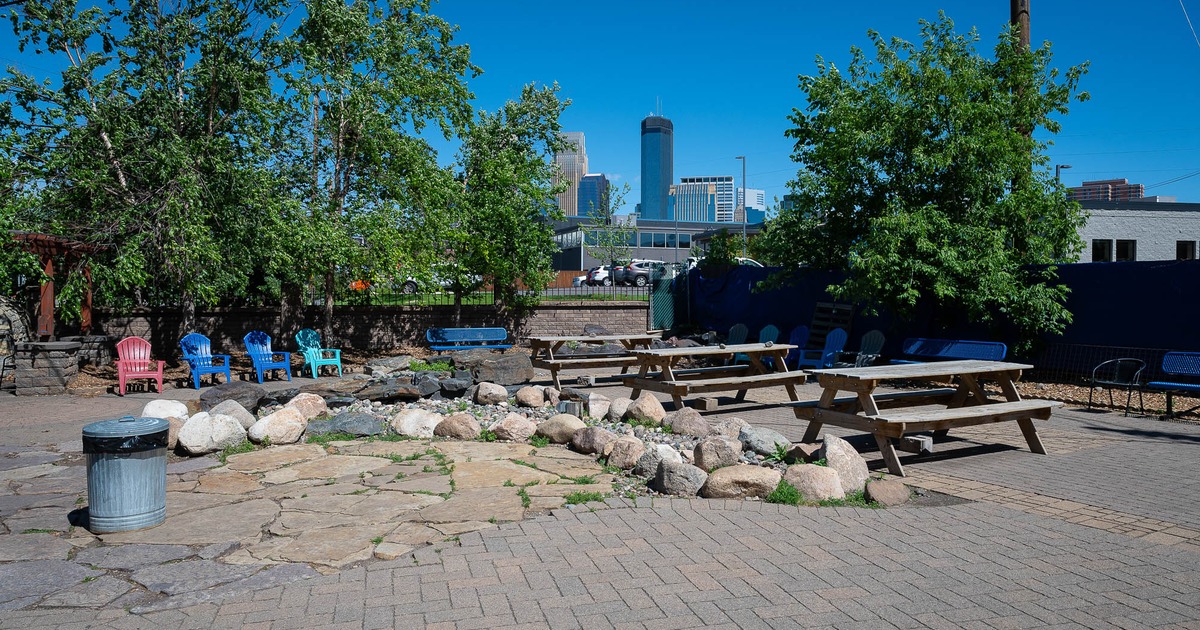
x=593 y=189
x=574 y=165
x=754 y=211
x=724 y=195
x=658 y=166
x=694 y=200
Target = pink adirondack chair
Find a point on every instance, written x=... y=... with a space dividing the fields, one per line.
x=134 y=362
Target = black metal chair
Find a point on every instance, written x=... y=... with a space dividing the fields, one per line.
x=1119 y=373
x=7 y=350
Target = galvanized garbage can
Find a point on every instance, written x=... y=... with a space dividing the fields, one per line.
x=127 y=473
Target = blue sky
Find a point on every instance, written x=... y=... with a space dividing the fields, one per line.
x=726 y=74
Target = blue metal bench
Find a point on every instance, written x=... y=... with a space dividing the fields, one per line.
x=466 y=338
x=952 y=349
x=1178 y=364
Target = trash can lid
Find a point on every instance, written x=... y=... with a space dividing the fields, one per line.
x=125 y=427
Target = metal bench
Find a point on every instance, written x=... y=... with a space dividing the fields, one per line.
x=1178 y=364
x=951 y=349
x=466 y=338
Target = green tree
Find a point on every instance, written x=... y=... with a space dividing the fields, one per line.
x=917 y=179
x=503 y=219
x=605 y=237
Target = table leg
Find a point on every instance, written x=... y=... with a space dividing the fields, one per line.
x=1031 y=435
x=812 y=432
x=888 y=450
x=814 y=426
x=554 y=377
x=678 y=401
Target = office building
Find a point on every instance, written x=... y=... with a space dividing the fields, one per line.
x=1107 y=190
x=724 y=195
x=658 y=167
x=573 y=163
x=593 y=194
x=693 y=201
x=756 y=211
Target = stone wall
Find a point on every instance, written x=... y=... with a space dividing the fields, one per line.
x=44 y=368
x=377 y=328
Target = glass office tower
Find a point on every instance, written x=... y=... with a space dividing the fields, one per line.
x=658 y=167
x=592 y=190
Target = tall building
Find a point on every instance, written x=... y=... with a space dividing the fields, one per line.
x=658 y=167
x=694 y=200
x=574 y=165
x=724 y=195
x=1107 y=190
x=755 y=211
x=593 y=198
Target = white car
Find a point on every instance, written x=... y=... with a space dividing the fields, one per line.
x=579 y=281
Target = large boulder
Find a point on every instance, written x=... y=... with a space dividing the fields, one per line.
x=356 y=423
x=625 y=452
x=646 y=410
x=207 y=433
x=850 y=466
x=678 y=479
x=655 y=454
x=387 y=366
x=389 y=391
x=246 y=394
x=165 y=409
x=461 y=426
x=309 y=405
x=598 y=405
x=514 y=427
x=887 y=492
x=174 y=425
x=591 y=440
x=416 y=422
x=335 y=388
x=561 y=428
x=235 y=409
x=728 y=428
x=278 y=397
x=490 y=394
x=816 y=483
x=282 y=427
x=715 y=452
x=686 y=421
x=510 y=368
x=762 y=441
x=530 y=396
x=740 y=482
x=617 y=408
x=454 y=387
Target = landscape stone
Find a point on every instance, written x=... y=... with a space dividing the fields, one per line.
x=282 y=427
x=598 y=405
x=495 y=473
x=388 y=391
x=454 y=387
x=34 y=546
x=574 y=394
x=716 y=452
x=131 y=557
x=309 y=405
x=850 y=466
x=173 y=426
x=560 y=428
x=803 y=453
x=686 y=421
x=227 y=482
x=207 y=433
x=592 y=439
x=273 y=458
x=245 y=393
x=762 y=440
x=617 y=408
x=511 y=368
x=462 y=451
x=729 y=428
x=625 y=452
x=647 y=465
x=329 y=389
x=887 y=492
x=91 y=594
x=416 y=422
x=205 y=526
x=490 y=394
x=646 y=409
x=461 y=426
x=357 y=423
x=165 y=409
x=816 y=483
x=476 y=504
x=189 y=575
x=678 y=479
x=388 y=365
x=553 y=396
x=427 y=384
x=269 y=577
x=328 y=467
x=236 y=410
x=24 y=583
x=530 y=396
x=278 y=397
x=740 y=482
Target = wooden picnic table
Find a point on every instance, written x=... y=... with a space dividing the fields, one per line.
x=889 y=416
x=547 y=352
x=658 y=371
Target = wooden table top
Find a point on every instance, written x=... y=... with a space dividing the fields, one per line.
x=694 y=351
x=592 y=338
x=922 y=370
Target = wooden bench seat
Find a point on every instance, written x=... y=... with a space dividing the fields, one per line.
x=684 y=387
x=906 y=398
x=586 y=361
x=945 y=419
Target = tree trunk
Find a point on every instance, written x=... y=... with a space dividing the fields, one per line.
x=291 y=310
x=327 y=319
x=457 y=309
x=189 y=313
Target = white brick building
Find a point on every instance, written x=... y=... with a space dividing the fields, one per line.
x=1140 y=230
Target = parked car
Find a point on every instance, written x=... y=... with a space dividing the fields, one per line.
x=600 y=276
x=415 y=285
x=639 y=272
x=579 y=281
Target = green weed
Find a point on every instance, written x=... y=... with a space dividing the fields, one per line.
x=785 y=494
x=573 y=498
x=539 y=441
x=245 y=447
x=440 y=365
x=325 y=438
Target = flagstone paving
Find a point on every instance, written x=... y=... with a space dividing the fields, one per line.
x=1102 y=532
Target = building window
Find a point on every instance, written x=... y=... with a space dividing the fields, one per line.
x=1126 y=250
x=1102 y=250
x=685 y=241
x=1185 y=250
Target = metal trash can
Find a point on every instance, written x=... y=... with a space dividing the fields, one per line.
x=127 y=473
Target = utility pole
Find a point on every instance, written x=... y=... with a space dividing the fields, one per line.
x=1019 y=12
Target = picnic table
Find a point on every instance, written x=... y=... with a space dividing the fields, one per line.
x=658 y=370
x=547 y=352
x=890 y=416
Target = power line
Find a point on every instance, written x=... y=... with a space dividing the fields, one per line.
x=1189 y=23
x=1173 y=180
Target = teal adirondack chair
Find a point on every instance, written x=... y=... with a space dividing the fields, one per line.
x=768 y=333
x=309 y=343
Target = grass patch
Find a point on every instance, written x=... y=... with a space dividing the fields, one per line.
x=487 y=435
x=325 y=438
x=785 y=494
x=854 y=499
x=376 y=540
x=40 y=531
x=539 y=441
x=508 y=483
x=429 y=366
x=573 y=498
x=525 y=500
x=521 y=462
x=583 y=480
x=245 y=447
x=779 y=454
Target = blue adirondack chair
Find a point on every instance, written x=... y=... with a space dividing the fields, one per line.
x=768 y=333
x=798 y=338
x=737 y=334
x=258 y=346
x=835 y=342
x=315 y=356
x=197 y=352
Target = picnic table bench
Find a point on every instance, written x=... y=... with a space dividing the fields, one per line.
x=766 y=369
x=952 y=349
x=545 y=348
x=441 y=339
x=1178 y=364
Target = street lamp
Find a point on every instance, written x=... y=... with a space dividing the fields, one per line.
x=745 y=198
x=1058 y=172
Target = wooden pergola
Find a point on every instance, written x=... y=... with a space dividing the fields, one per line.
x=47 y=247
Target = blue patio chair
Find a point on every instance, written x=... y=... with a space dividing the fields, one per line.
x=798 y=338
x=258 y=346
x=197 y=353
x=315 y=356
x=835 y=342
x=768 y=333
